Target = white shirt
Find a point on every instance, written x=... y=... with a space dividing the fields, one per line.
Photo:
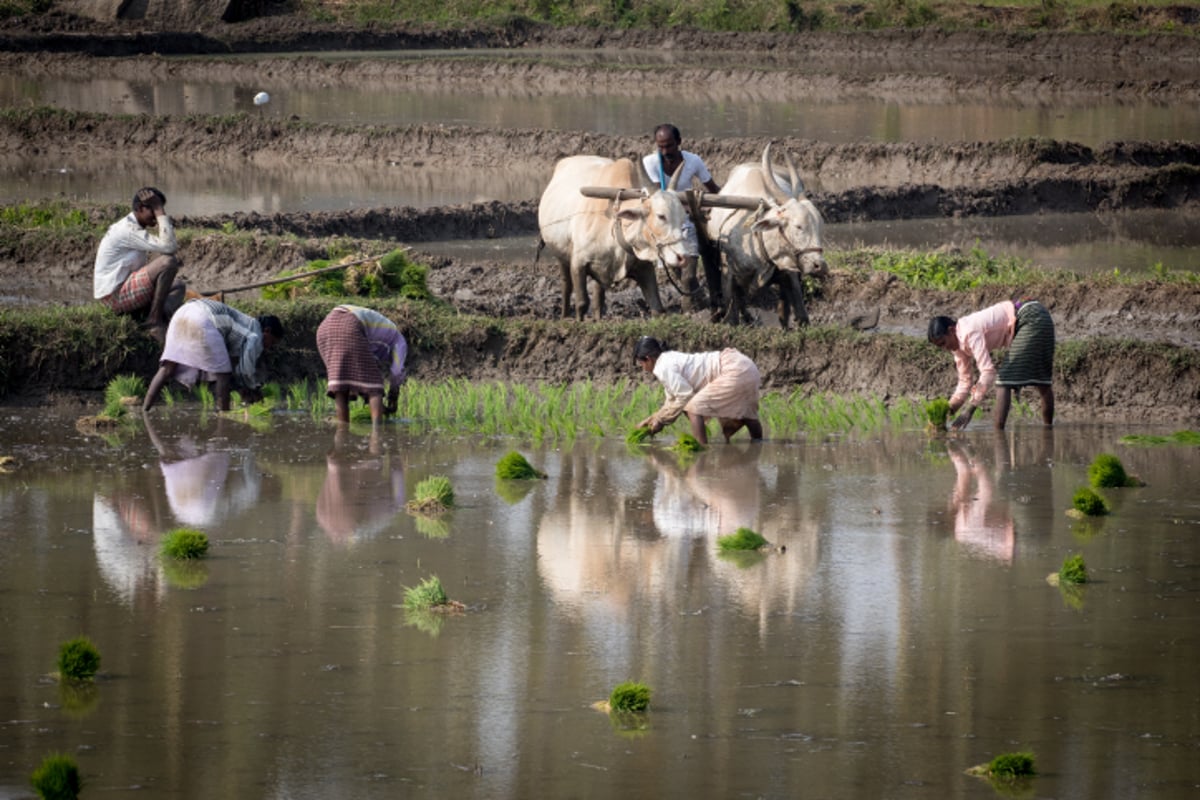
x=682 y=375
x=126 y=248
x=692 y=165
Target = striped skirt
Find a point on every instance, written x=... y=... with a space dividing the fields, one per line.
x=347 y=355
x=1030 y=358
x=733 y=394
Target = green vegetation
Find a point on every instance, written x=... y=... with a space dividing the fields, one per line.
x=514 y=466
x=638 y=436
x=686 y=444
x=57 y=778
x=1179 y=437
x=630 y=697
x=118 y=392
x=425 y=595
x=391 y=274
x=184 y=544
x=937 y=412
x=1088 y=503
x=947 y=271
x=741 y=539
x=433 y=496
x=1011 y=765
x=54 y=214
x=78 y=659
x=1073 y=570
x=1106 y=471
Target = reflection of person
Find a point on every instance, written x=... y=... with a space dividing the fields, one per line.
x=980 y=524
x=360 y=496
x=356 y=343
x=210 y=341
x=660 y=166
x=713 y=495
x=1026 y=329
x=720 y=384
x=195 y=480
x=136 y=269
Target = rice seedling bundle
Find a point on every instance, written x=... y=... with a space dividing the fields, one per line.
x=78 y=659
x=57 y=778
x=741 y=539
x=184 y=544
x=630 y=697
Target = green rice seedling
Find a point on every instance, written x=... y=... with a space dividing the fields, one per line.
x=433 y=495
x=1106 y=471
x=741 y=539
x=360 y=413
x=78 y=659
x=168 y=397
x=1073 y=570
x=1088 y=503
x=687 y=444
x=638 y=436
x=514 y=466
x=937 y=412
x=1008 y=766
x=121 y=392
x=630 y=696
x=297 y=396
x=1179 y=437
x=204 y=392
x=184 y=544
x=425 y=595
x=57 y=778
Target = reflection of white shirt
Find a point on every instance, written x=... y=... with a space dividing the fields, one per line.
x=124 y=564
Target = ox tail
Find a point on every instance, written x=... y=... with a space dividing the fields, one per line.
x=541 y=245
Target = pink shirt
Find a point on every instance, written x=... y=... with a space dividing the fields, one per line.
x=978 y=334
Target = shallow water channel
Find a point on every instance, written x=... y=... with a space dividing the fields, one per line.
x=906 y=633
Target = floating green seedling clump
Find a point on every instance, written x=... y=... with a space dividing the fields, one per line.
x=686 y=444
x=1088 y=503
x=184 y=544
x=638 y=436
x=514 y=466
x=1012 y=765
x=937 y=412
x=1107 y=472
x=434 y=495
x=78 y=659
x=1073 y=570
x=57 y=778
x=741 y=539
x=425 y=595
x=630 y=697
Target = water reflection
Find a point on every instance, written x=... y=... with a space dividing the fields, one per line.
x=982 y=525
x=362 y=492
x=196 y=476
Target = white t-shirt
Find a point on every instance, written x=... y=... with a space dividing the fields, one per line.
x=126 y=248
x=692 y=165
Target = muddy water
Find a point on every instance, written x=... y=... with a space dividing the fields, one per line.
x=906 y=633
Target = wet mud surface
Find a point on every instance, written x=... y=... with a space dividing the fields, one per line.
x=857 y=180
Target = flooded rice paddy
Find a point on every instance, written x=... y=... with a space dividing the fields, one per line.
x=905 y=632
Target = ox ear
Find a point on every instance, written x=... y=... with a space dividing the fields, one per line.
x=769 y=222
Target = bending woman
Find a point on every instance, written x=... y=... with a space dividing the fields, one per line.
x=720 y=384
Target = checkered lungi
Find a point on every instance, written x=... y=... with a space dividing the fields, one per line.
x=733 y=394
x=1030 y=358
x=349 y=364
x=195 y=345
x=136 y=292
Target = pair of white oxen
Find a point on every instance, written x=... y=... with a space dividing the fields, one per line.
x=607 y=220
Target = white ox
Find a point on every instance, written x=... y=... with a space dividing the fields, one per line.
x=777 y=243
x=609 y=240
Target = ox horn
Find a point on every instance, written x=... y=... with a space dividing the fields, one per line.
x=769 y=178
x=673 y=184
x=794 y=176
x=648 y=183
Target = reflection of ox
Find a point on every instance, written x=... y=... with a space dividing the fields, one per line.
x=609 y=240
x=778 y=242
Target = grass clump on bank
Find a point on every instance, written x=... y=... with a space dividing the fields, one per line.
x=390 y=274
x=514 y=466
x=184 y=544
x=78 y=660
x=57 y=778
